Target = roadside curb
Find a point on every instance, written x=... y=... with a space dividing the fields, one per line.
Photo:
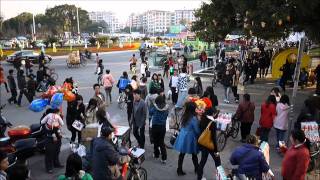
x=111 y=52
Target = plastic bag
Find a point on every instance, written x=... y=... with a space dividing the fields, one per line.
x=79 y=149
x=56 y=100
x=38 y=105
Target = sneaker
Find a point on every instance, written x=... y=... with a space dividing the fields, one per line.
x=203 y=178
x=163 y=161
x=237 y=101
x=155 y=157
x=225 y=101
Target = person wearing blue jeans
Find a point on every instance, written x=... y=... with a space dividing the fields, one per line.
x=280 y=136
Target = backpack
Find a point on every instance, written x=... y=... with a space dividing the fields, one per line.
x=123 y=83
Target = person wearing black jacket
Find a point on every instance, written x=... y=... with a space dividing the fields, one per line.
x=13 y=87
x=31 y=87
x=204 y=122
x=227 y=82
x=77 y=113
x=22 y=85
x=212 y=96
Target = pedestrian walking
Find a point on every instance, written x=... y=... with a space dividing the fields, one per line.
x=235 y=82
x=204 y=122
x=245 y=114
x=139 y=116
x=22 y=85
x=12 y=87
x=187 y=140
x=276 y=92
x=173 y=84
x=268 y=113
x=203 y=59
x=150 y=101
x=297 y=158
x=250 y=160
x=198 y=86
x=143 y=68
x=77 y=114
x=129 y=100
x=143 y=88
x=103 y=118
x=159 y=114
x=281 y=119
x=286 y=75
x=134 y=82
x=160 y=81
x=100 y=72
x=123 y=82
x=182 y=88
x=53 y=123
x=90 y=112
x=108 y=82
x=31 y=87
x=227 y=82
x=154 y=82
x=74 y=169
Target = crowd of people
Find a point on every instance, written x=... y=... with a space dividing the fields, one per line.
x=148 y=105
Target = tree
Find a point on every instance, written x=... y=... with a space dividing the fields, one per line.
x=103 y=40
x=92 y=41
x=19 y=25
x=214 y=20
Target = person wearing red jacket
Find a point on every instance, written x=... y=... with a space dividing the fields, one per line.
x=268 y=113
x=296 y=159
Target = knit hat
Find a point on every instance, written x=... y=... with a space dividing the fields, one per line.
x=3 y=155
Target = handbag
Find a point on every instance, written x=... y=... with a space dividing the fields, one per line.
x=205 y=138
x=173 y=138
x=77 y=125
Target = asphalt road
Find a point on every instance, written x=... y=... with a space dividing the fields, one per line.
x=117 y=62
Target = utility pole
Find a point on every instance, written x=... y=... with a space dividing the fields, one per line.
x=34 y=27
x=296 y=81
x=78 y=24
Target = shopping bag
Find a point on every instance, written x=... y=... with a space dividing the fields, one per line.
x=205 y=138
x=77 y=125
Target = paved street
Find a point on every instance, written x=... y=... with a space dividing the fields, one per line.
x=118 y=62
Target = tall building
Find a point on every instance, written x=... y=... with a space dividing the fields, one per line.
x=187 y=15
x=135 y=20
x=156 y=21
x=109 y=17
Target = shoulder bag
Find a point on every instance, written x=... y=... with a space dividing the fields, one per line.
x=205 y=138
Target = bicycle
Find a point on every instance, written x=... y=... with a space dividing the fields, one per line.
x=133 y=69
x=232 y=131
x=314 y=157
x=136 y=172
x=122 y=100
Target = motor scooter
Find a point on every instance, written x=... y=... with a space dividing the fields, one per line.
x=36 y=131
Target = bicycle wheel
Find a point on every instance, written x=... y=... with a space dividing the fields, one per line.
x=235 y=129
x=140 y=175
x=221 y=140
x=54 y=76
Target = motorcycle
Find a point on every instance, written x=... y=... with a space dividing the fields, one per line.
x=24 y=149
x=35 y=131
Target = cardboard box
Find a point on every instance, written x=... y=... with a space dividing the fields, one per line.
x=89 y=133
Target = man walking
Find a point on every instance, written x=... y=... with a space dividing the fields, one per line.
x=22 y=85
x=108 y=81
x=139 y=116
x=13 y=88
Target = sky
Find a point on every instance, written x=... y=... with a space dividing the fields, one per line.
x=123 y=8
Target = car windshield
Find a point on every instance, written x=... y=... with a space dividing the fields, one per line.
x=27 y=52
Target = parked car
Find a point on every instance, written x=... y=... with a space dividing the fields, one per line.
x=178 y=46
x=24 y=54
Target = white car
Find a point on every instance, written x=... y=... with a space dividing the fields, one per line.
x=165 y=50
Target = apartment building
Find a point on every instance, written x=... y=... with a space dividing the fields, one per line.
x=107 y=16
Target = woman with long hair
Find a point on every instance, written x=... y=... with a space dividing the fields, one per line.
x=187 y=140
x=154 y=82
x=281 y=120
x=212 y=96
x=74 y=169
x=296 y=159
x=91 y=110
x=78 y=113
x=198 y=86
x=268 y=113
